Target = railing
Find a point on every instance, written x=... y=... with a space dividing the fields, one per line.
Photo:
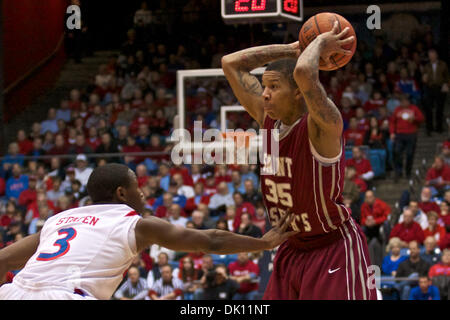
x=96 y=155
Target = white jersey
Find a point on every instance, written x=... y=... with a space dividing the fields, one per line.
x=84 y=250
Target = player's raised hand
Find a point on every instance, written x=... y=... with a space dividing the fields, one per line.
x=296 y=47
x=332 y=42
x=278 y=234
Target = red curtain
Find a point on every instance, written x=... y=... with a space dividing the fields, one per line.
x=32 y=30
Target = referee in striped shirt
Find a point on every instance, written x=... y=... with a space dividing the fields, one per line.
x=167 y=287
x=135 y=288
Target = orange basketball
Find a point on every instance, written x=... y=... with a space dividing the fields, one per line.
x=323 y=22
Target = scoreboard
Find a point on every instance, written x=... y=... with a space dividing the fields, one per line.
x=254 y=11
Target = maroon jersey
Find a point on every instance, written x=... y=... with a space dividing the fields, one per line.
x=308 y=184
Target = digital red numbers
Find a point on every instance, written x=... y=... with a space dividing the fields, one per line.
x=262 y=5
x=256 y=5
x=290 y=6
x=238 y=7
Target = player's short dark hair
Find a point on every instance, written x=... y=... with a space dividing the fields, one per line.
x=286 y=68
x=104 y=181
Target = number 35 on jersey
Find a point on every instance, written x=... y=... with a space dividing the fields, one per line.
x=280 y=194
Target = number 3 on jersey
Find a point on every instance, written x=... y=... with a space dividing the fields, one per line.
x=280 y=193
x=63 y=243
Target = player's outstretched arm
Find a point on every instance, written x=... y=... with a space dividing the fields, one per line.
x=325 y=123
x=246 y=87
x=15 y=256
x=153 y=230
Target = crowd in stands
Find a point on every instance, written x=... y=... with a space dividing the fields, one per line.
x=384 y=95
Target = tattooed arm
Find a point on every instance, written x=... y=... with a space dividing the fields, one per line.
x=324 y=122
x=246 y=87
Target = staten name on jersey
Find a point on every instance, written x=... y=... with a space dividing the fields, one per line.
x=85 y=219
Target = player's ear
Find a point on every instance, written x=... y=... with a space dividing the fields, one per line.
x=121 y=194
x=298 y=94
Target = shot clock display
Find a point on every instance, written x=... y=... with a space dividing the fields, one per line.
x=244 y=11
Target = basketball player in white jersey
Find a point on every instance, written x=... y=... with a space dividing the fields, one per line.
x=82 y=253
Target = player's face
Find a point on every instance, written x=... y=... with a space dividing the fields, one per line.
x=134 y=196
x=279 y=97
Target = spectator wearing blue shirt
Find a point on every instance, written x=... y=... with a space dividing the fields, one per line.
x=12 y=157
x=236 y=184
x=143 y=136
x=167 y=199
x=408 y=85
x=164 y=181
x=37 y=148
x=247 y=174
x=425 y=290
x=36 y=223
x=432 y=252
x=392 y=260
x=51 y=123
x=17 y=183
x=64 y=113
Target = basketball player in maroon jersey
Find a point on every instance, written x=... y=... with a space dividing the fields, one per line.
x=328 y=258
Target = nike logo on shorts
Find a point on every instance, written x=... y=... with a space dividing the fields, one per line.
x=333 y=271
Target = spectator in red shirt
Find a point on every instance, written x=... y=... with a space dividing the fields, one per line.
x=60 y=147
x=199 y=197
x=33 y=208
x=404 y=124
x=245 y=272
x=210 y=186
x=159 y=123
x=162 y=211
x=373 y=105
x=363 y=122
x=131 y=146
x=181 y=169
x=361 y=164
x=29 y=195
x=74 y=102
x=222 y=174
x=93 y=140
x=80 y=145
x=141 y=118
x=419 y=216
x=142 y=175
x=374 y=212
x=438 y=176
x=241 y=207
x=25 y=145
x=427 y=205
x=444 y=214
x=260 y=218
x=434 y=229
x=156 y=146
x=196 y=174
x=442 y=268
x=408 y=230
x=346 y=110
x=188 y=274
x=10 y=215
x=354 y=136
